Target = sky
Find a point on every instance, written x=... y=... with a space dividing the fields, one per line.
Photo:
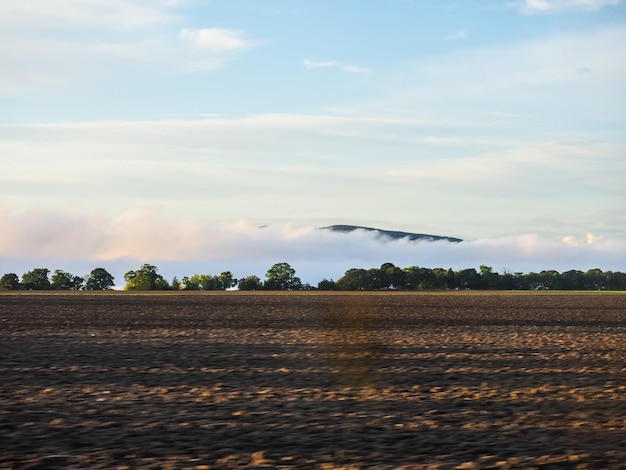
x=210 y=135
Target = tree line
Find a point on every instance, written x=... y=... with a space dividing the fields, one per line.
x=390 y=277
x=281 y=276
x=40 y=279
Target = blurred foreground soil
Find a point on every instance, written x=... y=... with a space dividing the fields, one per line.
x=311 y=380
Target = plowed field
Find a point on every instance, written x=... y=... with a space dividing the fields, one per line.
x=313 y=380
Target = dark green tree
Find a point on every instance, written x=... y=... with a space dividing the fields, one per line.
x=531 y=281
x=615 y=280
x=10 y=281
x=512 y=281
x=61 y=280
x=191 y=283
x=209 y=282
x=468 y=279
x=595 y=279
x=281 y=276
x=573 y=280
x=250 y=283
x=226 y=280
x=145 y=278
x=99 y=279
x=395 y=277
x=489 y=279
x=37 y=279
x=550 y=279
x=378 y=279
x=446 y=279
x=326 y=284
x=355 y=279
x=420 y=278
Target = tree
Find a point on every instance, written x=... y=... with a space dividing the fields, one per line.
x=615 y=280
x=145 y=278
x=326 y=284
x=37 y=279
x=550 y=279
x=250 y=283
x=10 y=281
x=573 y=280
x=595 y=279
x=489 y=279
x=468 y=279
x=208 y=282
x=99 y=279
x=191 y=283
x=512 y=281
x=419 y=278
x=355 y=279
x=395 y=277
x=445 y=279
x=378 y=279
x=226 y=280
x=62 y=280
x=175 y=285
x=281 y=276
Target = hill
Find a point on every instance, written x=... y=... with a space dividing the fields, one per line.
x=392 y=234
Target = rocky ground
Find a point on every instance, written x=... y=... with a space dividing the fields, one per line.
x=324 y=381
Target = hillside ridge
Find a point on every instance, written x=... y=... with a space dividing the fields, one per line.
x=393 y=234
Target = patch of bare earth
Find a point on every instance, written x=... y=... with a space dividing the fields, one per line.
x=313 y=381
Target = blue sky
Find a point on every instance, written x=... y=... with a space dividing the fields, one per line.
x=146 y=128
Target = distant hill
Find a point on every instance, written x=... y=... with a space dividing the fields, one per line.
x=392 y=234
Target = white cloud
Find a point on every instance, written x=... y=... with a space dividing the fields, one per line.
x=81 y=14
x=39 y=48
x=555 y=6
x=74 y=237
x=313 y=64
x=216 y=39
x=273 y=166
x=570 y=240
x=590 y=239
x=39 y=64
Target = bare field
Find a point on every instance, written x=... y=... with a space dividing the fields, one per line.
x=312 y=380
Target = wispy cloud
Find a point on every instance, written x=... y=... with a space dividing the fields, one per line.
x=206 y=49
x=532 y=7
x=520 y=77
x=313 y=64
x=216 y=39
x=40 y=48
x=458 y=34
x=80 y=14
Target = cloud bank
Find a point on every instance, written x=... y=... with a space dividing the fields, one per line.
x=78 y=241
x=456 y=177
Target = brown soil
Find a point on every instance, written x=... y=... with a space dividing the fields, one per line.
x=313 y=381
